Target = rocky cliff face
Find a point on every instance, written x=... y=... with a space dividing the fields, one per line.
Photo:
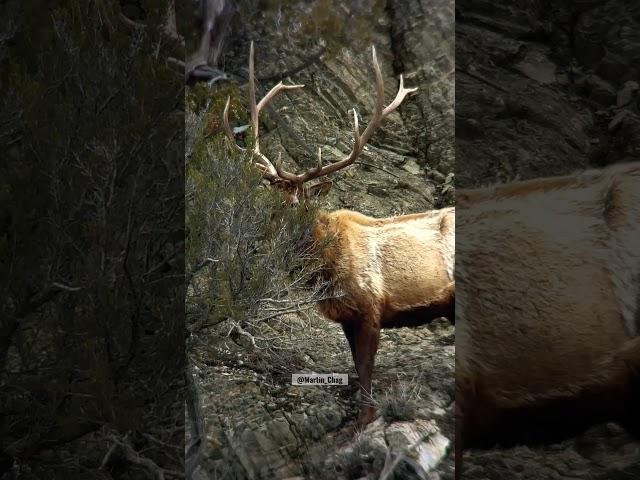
x=327 y=48
x=258 y=425
x=545 y=88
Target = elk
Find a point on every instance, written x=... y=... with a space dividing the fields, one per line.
x=393 y=272
x=548 y=315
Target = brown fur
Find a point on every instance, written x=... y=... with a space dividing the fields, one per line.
x=548 y=275
x=393 y=272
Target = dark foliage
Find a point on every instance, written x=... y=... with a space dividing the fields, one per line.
x=246 y=250
x=249 y=260
x=91 y=269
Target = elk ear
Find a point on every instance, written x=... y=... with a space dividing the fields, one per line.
x=319 y=189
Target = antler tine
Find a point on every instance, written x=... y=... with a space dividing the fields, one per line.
x=280 y=87
x=378 y=114
x=262 y=162
x=265 y=100
x=269 y=171
x=400 y=96
x=227 y=128
x=252 y=99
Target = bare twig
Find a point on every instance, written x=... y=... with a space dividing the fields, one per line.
x=371 y=165
x=67 y=288
x=107 y=457
x=237 y=328
x=134 y=457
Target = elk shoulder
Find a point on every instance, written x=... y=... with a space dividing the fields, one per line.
x=389 y=266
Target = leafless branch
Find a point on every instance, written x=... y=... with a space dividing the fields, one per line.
x=134 y=457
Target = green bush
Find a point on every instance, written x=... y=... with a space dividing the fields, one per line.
x=246 y=253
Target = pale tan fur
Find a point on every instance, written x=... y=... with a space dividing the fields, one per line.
x=387 y=265
x=548 y=278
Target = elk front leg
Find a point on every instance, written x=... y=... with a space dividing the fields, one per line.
x=366 y=346
x=350 y=332
x=444 y=303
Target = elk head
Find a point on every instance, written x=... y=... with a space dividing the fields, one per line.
x=296 y=186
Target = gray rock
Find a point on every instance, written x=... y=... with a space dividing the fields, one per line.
x=412 y=167
x=411 y=450
x=427 y=453
x=537 y=66
x=626 y=93
x=598 y=89
x=617 y=120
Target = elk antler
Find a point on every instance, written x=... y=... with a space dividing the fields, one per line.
x=276 y=174
x=380 y=113
x=268 y=170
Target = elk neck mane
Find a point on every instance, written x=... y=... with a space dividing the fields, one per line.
x=589 y=178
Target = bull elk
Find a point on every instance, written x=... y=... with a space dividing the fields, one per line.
x=547 y=309
x=394 y=272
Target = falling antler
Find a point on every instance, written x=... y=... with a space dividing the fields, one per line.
x=276 y=174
